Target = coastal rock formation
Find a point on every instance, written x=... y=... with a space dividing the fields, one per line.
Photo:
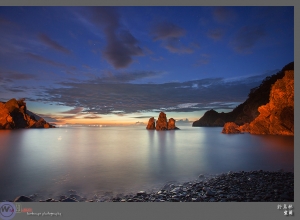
x=161 y=123
x=171 y=124
x=247 y=111
x=151 y=124
x=231 y=128
x=14 y=115
x=277 y=116
x=211 y=118
x=6 y=121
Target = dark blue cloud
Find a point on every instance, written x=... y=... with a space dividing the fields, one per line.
x=247 y=37
x=121 y=44
x=169 y=34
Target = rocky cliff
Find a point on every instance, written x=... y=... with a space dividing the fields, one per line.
x=247 y=111
x=14 y=115
x=277 y=116
x=161 y=123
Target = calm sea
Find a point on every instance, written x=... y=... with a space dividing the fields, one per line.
x=112 y=160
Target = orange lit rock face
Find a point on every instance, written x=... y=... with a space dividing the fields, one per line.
x=231 y=128
x=277 y=116
x=13 y=115
x=6 y=121
x=161 y=123
x=151 y=124
x=41 y=124
x=171 y=124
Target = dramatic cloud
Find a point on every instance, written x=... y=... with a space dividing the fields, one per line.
x=120 y=49
x=121 y=44
x=223 y=14
x=169 y=34
x=246 y=38
x=51 y=43
x=106 y=98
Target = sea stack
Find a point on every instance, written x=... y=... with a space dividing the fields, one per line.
x=171 y=124
x=151 y=124
x=161 y=124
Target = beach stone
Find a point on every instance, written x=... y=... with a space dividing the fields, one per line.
x=141 y=193
x=62 y=197
x=210 y=193
x=69 y=200
x=76 y=197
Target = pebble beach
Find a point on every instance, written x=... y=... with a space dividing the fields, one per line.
x=252 y=186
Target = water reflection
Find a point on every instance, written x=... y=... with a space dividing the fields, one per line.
x=119 y=159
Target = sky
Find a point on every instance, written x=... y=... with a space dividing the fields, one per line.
x=123 y=65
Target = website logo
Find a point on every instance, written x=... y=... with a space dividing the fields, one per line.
x=7 y=210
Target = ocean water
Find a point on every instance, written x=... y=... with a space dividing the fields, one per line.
x=112 y=160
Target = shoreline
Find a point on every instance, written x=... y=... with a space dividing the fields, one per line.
x=250 y=186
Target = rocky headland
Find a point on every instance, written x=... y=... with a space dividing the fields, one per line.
x=269 y=108
x=161 y=124
x=277 y=116
x=14 y=115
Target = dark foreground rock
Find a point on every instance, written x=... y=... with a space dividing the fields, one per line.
x=253 y=186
